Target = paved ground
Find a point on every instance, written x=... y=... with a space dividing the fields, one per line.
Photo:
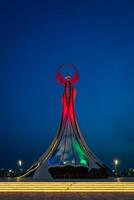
x=67 y=196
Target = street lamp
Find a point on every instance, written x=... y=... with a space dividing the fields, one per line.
x=116 y=162
x=20 y=163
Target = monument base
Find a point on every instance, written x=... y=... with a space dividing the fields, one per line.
x=77 y=172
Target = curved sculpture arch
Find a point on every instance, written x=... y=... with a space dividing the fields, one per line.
x=68 y=156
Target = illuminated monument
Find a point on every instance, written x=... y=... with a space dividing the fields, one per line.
x=68 y=155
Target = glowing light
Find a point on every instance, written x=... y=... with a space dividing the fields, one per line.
x=116 y=162
x=20 y=163
x=67 y=187
x=84 y=162
x=79 y=151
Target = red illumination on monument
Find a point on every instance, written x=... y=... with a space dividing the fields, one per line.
x=69 y=95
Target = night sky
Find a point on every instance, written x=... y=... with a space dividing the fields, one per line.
x=35 y=38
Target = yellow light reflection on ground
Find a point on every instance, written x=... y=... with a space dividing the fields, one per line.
x=66 y=187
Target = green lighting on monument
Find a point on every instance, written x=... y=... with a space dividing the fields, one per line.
x=81 y=154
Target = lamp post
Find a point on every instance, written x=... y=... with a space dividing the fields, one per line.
x=116 y=162
x=20 y=163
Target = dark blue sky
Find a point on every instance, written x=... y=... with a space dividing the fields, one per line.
x=35 y=38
